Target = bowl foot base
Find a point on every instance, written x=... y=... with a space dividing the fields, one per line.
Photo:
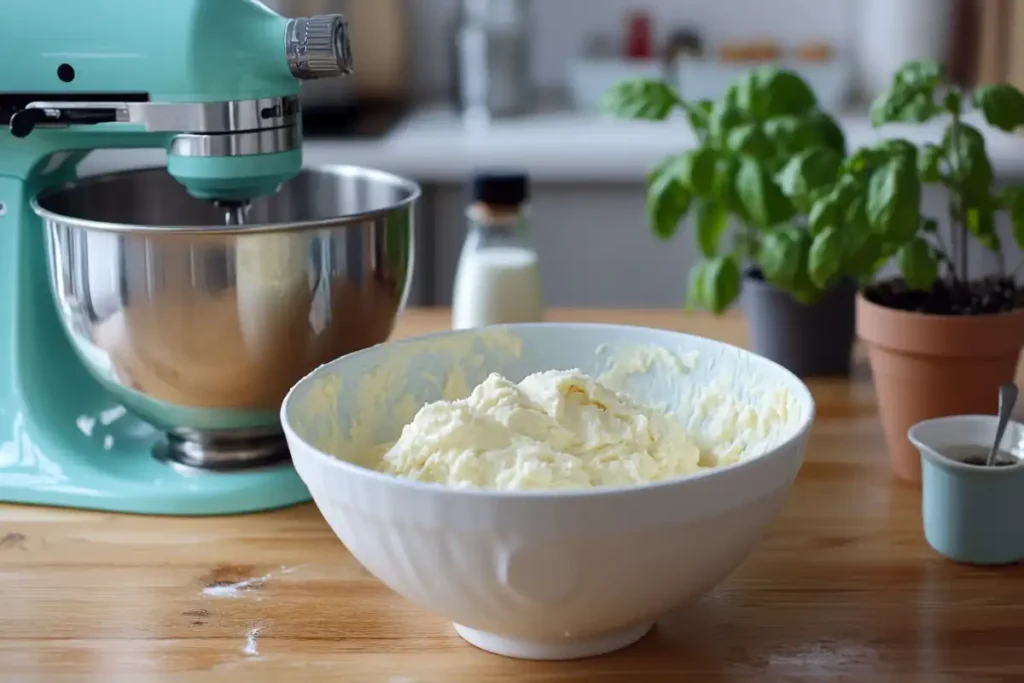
x=224 y=451
x=553 y=650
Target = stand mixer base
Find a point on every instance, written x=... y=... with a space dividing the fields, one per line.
x=111 y=466
x=223 y=451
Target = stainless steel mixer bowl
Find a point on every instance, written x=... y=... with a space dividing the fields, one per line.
x=201 y=328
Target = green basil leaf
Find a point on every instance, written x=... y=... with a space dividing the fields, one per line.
x=818 y=193
x=786 y=133
x=981 y=221
x=712 y=220
x=1002 y=104
x=1013 y=200
x=923 y=74
x=894 y=201
x=699 y=115
x=668 y=199
x=903 y=104
x=763 y=202
x=767 y=91
x=644 y=99
x=749 y=139
x=964 y=146
x=811 y=170
x=725 y=185
x=919 y=264
x=697 y=170
x=696 y=288
x=825 y=258
x=791 y=135
x=860 y=251
x=883 y=192
x=722 y=120
x=846 y=190
x=930 y=226
x=779 y=258
x=864 y=161
x=929 y=164
x=897 y=148
x=953 y=102
x=824 y=214
x=855 y=215
x=827 y=131
x=722 y=282
x=799 y=284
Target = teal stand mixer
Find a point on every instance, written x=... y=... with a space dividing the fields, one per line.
x=152 y=320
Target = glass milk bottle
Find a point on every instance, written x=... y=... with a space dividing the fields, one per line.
x=498 y=279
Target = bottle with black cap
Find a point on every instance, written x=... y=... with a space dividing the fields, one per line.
x=498 y=279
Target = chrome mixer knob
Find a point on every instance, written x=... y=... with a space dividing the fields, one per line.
x=319 y=47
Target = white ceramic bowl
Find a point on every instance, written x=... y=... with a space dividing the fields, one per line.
x=547 y=575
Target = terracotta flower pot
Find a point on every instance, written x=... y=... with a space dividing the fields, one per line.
x=928 y=366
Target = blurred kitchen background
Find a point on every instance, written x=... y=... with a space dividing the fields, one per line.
x=444 y=87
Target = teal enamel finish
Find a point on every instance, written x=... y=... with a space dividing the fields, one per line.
x=235 y=177
x=972 y=514
x=63 y=440
x=174 y=50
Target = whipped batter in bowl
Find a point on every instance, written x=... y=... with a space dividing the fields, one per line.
x=551 y=488
x=553 y=430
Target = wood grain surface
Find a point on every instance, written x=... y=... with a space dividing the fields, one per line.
x=842 y=588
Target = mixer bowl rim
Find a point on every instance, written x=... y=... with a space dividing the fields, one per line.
x=414 y=189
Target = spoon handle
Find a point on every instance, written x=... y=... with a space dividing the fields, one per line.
x=1007 y=400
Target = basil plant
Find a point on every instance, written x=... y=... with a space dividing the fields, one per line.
x=877 y=205
x=765 y=156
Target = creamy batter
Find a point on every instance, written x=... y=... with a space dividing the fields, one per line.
x=553 y=430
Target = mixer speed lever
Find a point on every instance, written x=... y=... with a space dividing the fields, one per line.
x=24 y=122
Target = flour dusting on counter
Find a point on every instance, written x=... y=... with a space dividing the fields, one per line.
x=236 y=589
x=251 y=647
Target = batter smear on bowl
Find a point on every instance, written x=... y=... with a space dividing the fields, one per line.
x=553 y=430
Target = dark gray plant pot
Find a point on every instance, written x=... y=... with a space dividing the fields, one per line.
x=809 y=341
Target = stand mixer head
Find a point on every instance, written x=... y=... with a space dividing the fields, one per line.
x=218 y=81
x=192 y=296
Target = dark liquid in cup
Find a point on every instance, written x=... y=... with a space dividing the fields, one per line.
x=978 y=456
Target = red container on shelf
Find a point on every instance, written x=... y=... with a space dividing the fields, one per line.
x=639 y=36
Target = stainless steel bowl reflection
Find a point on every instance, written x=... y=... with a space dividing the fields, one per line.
x=201 y=328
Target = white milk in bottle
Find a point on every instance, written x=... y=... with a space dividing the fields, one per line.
x=498 y=279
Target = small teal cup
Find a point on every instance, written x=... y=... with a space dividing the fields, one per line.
x=972 y=514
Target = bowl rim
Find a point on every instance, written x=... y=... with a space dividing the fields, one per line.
x=934 y=455
x=430 y=487
x=414 y=189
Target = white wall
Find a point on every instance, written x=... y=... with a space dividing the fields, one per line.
x=561 y=28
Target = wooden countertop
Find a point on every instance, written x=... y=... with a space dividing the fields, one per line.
x=843 y=587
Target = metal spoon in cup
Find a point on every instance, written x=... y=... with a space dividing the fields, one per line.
x=1007 y=400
